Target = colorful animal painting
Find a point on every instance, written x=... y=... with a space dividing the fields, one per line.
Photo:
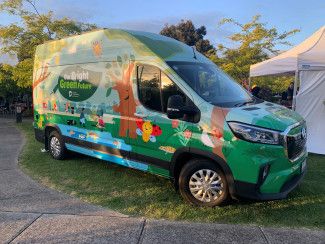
x=167 y=149
x=92 y=135
x=147 y=130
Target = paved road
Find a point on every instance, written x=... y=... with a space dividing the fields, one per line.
x=32 y=213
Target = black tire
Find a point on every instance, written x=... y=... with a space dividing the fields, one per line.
x=57 y=151
x=218 y=197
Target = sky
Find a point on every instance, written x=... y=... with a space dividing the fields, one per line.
x=308 y=16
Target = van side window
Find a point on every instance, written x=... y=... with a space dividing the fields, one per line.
x=155 y=87
x=149 y=87
x=169 y=88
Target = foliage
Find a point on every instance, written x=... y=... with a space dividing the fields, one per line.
x=186 y=32
x=277 y=84
x=253 y=43
x=22 y=73
x=6 y=82
x=20 y=40
x=8 y=86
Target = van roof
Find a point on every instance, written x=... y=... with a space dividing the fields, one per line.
x=75 y=35
x=143 y=44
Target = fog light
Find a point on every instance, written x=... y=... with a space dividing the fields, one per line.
x=266 y=171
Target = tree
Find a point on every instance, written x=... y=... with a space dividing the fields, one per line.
x=253 y=43
x=20 y=40
x=277 y=84
x=186 y=32
x=8 y=86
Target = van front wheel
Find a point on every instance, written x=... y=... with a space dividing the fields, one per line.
x=56 y=145
x=202 y=183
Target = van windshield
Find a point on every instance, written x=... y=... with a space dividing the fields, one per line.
x=212 y=84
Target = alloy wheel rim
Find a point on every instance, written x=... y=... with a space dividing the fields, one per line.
x=55 y=146
x=206 y=185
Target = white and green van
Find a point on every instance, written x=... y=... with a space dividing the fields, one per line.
x=152 y=103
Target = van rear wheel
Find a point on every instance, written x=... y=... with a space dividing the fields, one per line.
x=56 y=146
x=202 y=183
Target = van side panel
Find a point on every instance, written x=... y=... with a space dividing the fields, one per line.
x=83 y=86
x=87 y=86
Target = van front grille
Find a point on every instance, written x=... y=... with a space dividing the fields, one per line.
x=296 y=144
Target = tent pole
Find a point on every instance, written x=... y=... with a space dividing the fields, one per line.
x=249 y=83
x=295 y=90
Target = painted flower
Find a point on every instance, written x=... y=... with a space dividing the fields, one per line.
x=216 y=132
x=187 y=134
x=175 y=123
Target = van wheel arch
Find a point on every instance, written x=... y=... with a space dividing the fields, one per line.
x=48 y=129
x=183 y=155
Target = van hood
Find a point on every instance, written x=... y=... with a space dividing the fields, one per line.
x=266 y=114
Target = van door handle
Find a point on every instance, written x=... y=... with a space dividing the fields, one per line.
x=141 y=115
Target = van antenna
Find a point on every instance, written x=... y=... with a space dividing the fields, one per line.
x=194 y=55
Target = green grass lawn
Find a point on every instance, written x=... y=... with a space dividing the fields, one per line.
x=140 y=194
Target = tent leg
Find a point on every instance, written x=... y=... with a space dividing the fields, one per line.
x=295 y=90
x=249 y=83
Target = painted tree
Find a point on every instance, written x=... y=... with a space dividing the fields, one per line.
x=217 y=125
x=127 y=104
x=43 y=75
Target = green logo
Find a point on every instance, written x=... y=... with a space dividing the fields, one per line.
x=77 y=84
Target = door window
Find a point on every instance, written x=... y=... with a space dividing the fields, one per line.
x=149 y=87
x=169 y=88
x=155 y=87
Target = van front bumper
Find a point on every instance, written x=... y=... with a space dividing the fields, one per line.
x=252 y=191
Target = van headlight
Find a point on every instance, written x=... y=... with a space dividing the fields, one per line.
x=255 y=134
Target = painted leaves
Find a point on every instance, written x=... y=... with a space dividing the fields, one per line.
x=113 y=70
x=109 y=91
x=183 y=133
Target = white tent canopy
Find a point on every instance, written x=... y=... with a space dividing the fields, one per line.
x=310 y=53
x=307 y=62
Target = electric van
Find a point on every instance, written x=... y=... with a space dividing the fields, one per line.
x=152 y=103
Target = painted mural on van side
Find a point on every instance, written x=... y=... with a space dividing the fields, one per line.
x=91 y=94
x=88 y=87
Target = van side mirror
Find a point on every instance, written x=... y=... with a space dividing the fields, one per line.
x=176 y=108
x=174 y=105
